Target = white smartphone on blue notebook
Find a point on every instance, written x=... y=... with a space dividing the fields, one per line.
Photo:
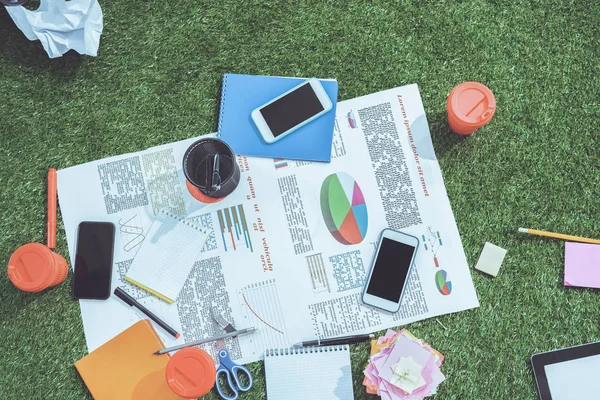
x=291 y=110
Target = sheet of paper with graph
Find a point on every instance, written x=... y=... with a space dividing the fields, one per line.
x=289 y=249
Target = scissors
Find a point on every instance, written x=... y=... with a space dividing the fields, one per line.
x=228 y=368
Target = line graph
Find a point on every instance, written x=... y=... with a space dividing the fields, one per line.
x=261 y=308
x=132 y=232
x=258 y=316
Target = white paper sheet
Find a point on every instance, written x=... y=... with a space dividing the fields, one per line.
x=164 y=260
x=62 y=25
x=271 y=261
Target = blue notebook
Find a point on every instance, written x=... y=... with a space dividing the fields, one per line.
x=241 y=94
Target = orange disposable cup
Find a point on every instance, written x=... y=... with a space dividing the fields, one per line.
x=470 y=106
x=34 y=267
x=191 y=373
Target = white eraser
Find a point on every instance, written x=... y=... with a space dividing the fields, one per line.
x=490 y=259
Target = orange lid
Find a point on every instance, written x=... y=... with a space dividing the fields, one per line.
x=30 y=268
x=191 y=373
x=471 y=104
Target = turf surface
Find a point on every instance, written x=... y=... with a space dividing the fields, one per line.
x=156 y=80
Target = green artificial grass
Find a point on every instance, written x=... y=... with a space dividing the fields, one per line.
x=156 y=80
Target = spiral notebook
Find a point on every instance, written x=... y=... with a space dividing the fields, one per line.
x=241 y=94
x=166 y=256
x=309 y=373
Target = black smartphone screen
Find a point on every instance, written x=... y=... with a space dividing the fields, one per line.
x=93 y=260
x=390 y=270
x=292 y=109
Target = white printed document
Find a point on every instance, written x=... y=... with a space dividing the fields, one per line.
x=289 y=249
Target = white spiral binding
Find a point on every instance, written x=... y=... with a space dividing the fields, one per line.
x=222 y=105
x=178 y=218
x=304 y=350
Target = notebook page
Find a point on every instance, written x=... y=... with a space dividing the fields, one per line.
x=167 y=255
x=309 y=373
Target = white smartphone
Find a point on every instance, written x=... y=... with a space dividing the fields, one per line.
x=390 y=270
x=293 y=109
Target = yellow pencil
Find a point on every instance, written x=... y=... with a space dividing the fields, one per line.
x=559 y=236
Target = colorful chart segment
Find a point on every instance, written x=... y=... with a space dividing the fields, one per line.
x=344 y=209
x=234 y=229
x=280 y=163
x=432 y=242
x=351 y=120
x=436 y=237
x=443 y=285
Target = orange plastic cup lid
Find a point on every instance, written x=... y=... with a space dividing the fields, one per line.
x=30 y=267
x=191 y=373
x=472 y=103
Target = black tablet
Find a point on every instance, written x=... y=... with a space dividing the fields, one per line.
x=568 y=374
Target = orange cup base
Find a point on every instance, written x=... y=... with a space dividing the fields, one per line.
x=62 y=269
x=198 y=195
x=460 y=129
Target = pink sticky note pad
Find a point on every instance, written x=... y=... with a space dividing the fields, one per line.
x=582 y=265
x=371 y=373
x=392 y=391
x=371 y=391
x=433 y=377
x=403 y=348
x=385 y=395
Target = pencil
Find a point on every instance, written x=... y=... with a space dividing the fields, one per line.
x=51 y=226
x=202 y=341
x=559 y=236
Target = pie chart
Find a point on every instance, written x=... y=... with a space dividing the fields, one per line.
x=442 y=282
x=344 y=209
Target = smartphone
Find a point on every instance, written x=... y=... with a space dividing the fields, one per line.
x=293 y=109
x=93 y=260
x=390 y=270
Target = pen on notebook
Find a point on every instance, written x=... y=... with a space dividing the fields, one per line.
x=571 y=238
x=336 y=341
x=120 y=293
x=202 y=341
x=51 y=226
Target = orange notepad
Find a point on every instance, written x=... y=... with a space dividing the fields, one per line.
x=125 y=368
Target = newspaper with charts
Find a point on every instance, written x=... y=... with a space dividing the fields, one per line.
x=288 y=250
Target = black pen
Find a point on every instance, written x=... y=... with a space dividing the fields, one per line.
x=120 y=293
x=336 y=341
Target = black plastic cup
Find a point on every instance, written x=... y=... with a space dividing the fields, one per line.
x=199 y=168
